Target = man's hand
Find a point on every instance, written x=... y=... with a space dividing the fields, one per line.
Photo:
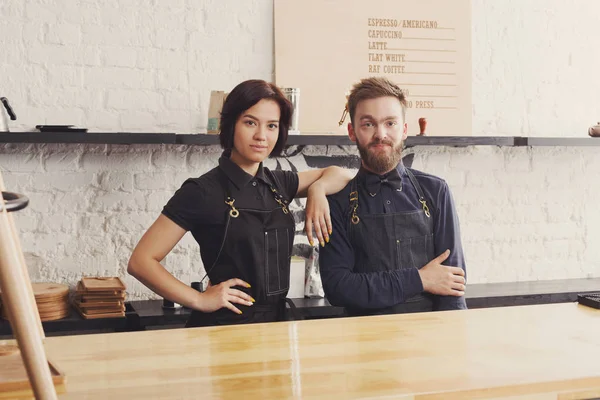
x=443 y=280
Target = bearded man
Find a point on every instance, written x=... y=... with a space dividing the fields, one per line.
x=396 y=246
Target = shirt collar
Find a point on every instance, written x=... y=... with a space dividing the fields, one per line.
x=374 y=181
x=237 y=175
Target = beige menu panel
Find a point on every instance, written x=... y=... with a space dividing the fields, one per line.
x=324 y=46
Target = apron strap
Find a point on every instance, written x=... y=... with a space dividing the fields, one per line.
x=233 y=213
x=354 y=202
x=354 y=197
x=221 y=247
x=419 y=191
x=279 y=199
x=229 y=200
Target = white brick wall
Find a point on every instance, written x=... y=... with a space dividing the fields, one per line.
x=149 y=65
x=129 y=65
x=89 y=205
x=526 y=213
x=534 y=67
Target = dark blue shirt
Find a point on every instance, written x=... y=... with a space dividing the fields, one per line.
x=343 y=287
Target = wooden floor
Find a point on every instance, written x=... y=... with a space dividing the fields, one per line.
x=528 y=352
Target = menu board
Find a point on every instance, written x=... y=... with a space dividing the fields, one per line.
x=323 y=47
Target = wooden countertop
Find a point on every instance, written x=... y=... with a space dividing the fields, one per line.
x=526 y=352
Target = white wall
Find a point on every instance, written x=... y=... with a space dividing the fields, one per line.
x=526 y=213
x=149 y=65
x=129 y=65
x=535 y=67
x=124 y=65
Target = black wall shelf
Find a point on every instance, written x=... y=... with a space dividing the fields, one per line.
x=315 y=140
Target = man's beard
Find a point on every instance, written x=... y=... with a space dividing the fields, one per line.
x=381 y=162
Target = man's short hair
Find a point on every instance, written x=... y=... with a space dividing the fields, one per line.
x=373 y=88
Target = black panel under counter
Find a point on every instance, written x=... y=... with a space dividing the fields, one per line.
x=504 y=294
x=482 y=295
x=149 y=314
x=74 y=323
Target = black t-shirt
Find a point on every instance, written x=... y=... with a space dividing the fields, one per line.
x=199 y=205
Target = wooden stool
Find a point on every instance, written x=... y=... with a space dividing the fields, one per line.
x=18 y=299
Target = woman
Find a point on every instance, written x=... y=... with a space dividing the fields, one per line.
x=238 y=213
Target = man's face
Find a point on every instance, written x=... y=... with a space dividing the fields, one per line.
x=379 y=131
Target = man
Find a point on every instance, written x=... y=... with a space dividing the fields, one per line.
x=396 y=244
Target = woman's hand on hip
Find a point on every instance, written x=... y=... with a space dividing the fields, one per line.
x=224 y=295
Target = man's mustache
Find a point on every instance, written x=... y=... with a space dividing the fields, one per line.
x=378 y=142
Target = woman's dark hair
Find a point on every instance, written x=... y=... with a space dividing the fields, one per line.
x=244 y=96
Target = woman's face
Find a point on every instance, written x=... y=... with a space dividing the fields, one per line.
x=257 y=130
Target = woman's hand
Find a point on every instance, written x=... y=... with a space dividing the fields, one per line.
x=317 y=214
x=223 y=295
